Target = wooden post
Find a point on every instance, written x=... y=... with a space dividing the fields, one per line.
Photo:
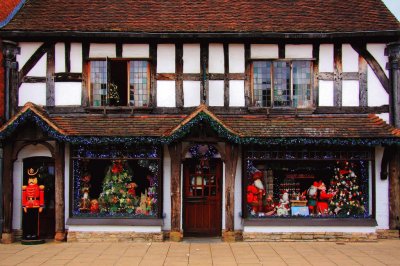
x=315 y=91
x=85 y=74
x=247 y=83
x=226 y=75
x=153 y=70
x=363 y=81
x=338 y=70
x=179 y=75
x=50 y=84
x=7 y=236
x=175 y=152
x=59 y=192
x=231 y=158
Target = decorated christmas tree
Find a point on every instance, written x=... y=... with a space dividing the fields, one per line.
x=349 y=199
x=118 y=195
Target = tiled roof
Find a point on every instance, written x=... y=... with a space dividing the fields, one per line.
x=199 y=16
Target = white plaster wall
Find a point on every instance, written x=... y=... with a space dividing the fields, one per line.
x=216 y=58
x=135 y=50
x=68 y=93
x=216 y=93
x=264 y=51
x=377 y=95
x=238 y=195
x=377 y=50
x=166 y=189
x=236 y=58
x=382 y=193
x=191 y=58
x=32 y=92
x=325 y=58
x=76 y=57
x=165 y=93
x=18 y=174
x=350 y=93
x=27 y=50
x=102 y=50
x=305 y=229
x=166 y=58
x=298 y=50
x=384 y=117
x=349 y=59
x=325 y=93
x=66 y=182
x=59 y=57
x=236 y=93
x=191 y=93
x=111 y=228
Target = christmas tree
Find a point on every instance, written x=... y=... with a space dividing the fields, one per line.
x=118 y=195
x=349 y=198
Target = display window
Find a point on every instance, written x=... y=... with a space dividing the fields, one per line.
x=307 y=184
x=116 y=182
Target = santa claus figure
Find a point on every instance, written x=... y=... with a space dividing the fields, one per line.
x=255 y=193
x=323 y=198
x=312 y=198
x=33 y=204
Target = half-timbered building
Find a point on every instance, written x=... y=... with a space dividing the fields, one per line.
x=254 y=120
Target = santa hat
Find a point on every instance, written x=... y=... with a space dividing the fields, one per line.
x=315 y=184
x=257 y=175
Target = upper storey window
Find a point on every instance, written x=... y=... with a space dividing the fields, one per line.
x=120 y=82
x=282 y=84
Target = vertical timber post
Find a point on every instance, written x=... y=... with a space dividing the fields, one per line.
x=175 y=152
x=59 y=192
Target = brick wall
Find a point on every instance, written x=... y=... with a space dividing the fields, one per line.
x=324 y=236
x=114 y=237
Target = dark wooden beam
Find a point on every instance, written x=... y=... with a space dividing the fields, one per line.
x=204 y=72
x=350 y=76
x=363 y=81
x=394 y=190
x=281 y=50
x=315 y=89
x=226 y=76
x=247 y=75
x=362 y=51
x=231 y=159
x=68 y=57
x=59 y=192
x=118 y=51
x=326 y=76
x=29 y=79
x=68 y=77
x=166 y=76
x=175 y=152
x=7 y=191
x=153 y=70
x=32 y=61
x=352 y=110
x=50 y=85
x=179 y=70
x=85 y=74
x=337 y=85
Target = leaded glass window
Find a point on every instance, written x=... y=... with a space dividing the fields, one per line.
x=262 y=83
x=139 y=83
x=281 y=84
x=98 y=82
x=301 y=83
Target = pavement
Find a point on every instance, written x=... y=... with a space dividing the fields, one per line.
x=383 y=252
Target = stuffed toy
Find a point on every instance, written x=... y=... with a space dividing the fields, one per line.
x=94 y=206
x=323 y=198
x=283 y=208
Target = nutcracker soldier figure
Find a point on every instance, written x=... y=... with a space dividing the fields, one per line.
x=32 y=204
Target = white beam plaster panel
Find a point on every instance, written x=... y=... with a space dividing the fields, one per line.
x=191 y=58
x=76 y=57
x=191 y=93
x=325 y=93
x=264 y=51
x=349 y=59
x=166 y=58
x=135 y=51
x=216 y=58
x=236 y=58
x=236 y=93
x=216 y=93
x=350 y=93
x=32 y=92
x=166 y=189
x=298 y=50
x=165 y=93
x=382 y=189
x=326 y=58
x=68 y=93
x=27 y=50
x=384 y=117
x=102 y=50
x=377 y=95
x=377 y=50
x=60 y=57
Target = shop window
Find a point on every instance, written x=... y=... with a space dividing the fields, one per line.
x=282 y=84
x=120 y=82
x=319 y=183
x=116 y=182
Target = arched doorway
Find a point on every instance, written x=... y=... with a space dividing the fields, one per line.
x=202 y=191
x=45 y=166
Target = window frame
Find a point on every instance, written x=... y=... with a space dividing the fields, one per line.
x=272 y=72
x=128 y=64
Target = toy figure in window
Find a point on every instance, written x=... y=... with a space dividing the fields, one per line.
x=323 y=198
x=85 y=188
x=255 y=193
x=283 y=207
x=269 y=207
x=33 y=204
x=312 y=198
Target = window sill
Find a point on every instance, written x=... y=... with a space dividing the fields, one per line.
x=115 y=221
x=310 y=222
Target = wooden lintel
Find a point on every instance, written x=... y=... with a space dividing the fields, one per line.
x=350 y=76
x=50 y=84
x=379 y=72
x=326 y=76
x=68 y=77
x=166 y=76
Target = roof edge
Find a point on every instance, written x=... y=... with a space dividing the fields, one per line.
x=200 y=35
x=12 y=14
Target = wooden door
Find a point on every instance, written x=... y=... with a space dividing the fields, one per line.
x=202 y=213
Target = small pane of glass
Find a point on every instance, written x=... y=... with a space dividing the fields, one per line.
x=281 y=84
x=138 y=83
x=98 y=82
x=302 y=84
x=262 y=83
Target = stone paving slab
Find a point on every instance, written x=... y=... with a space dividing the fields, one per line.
x=382 y=252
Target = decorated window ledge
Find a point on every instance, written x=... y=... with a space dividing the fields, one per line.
x=116 y=181
x=307 y=184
